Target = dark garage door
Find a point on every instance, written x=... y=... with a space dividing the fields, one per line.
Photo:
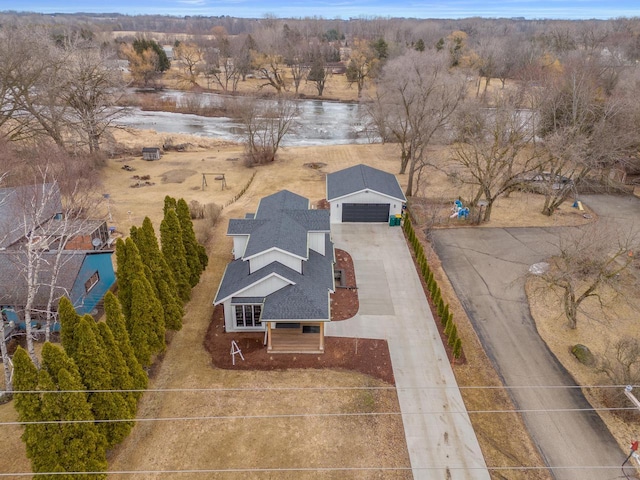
x=365 y=212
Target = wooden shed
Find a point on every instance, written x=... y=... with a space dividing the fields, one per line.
x=151 y=153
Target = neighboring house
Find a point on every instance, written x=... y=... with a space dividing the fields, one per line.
x=281 y=277
x=151 y=153
x=82 y=248
x=363 y=194
x=84 y=278
x=22 y=209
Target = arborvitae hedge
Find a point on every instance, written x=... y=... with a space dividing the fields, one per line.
x=442 y=308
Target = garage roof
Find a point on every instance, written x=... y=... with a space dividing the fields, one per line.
x=362 y=177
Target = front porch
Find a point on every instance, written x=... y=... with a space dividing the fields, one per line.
x=295 y=337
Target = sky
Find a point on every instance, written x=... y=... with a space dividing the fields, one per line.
x=344 y=9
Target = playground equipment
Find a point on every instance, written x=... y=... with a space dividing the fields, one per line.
x=459 y=210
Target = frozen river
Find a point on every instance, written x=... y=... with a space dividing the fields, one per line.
x=317 y=122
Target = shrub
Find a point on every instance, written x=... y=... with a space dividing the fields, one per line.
x=448 y=326
x=446 y=318
x=212 y=213
x=445 y=311
x=457 y=348
x=196 y=210
x=440 y=308
x=453 y=335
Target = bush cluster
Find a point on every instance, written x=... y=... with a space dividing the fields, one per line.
x=442 y=308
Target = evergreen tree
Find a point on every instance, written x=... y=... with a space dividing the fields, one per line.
x=94 y=366
x=57 y=446
x=69 y=319
x=116 y=323
x=142 y=44
x=453 y=334
x=146 y=329
x=170 y=203
x=125 y=274
x=171 y=306
x=174 y=253
x=457 y=348
x=195 y=253
x=25 y=379
x=120 y=377
x=159 y=274
x=445 y=314
x=74 y=447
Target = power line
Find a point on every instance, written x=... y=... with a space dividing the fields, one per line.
x=345 y=388
x=320 y=415
x=320 y=469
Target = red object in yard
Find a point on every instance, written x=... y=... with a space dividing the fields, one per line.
x=634 y=446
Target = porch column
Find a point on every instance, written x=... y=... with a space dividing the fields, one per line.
x=322 y=336
x=268 y=336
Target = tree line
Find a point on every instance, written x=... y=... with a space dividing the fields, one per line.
x=77 y=402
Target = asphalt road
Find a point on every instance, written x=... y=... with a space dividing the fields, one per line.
x=487 y=268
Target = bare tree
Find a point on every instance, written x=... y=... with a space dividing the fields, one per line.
x=588 y=259
x=221 y=62
x=266 y=124
x=583 y=128
x=296 y=56
x=493 y=149
x=91 y=87
x=34 y=83
x=270 y=68
x=416 y=98
x=363 y=64
x=189 y=58
x=65 y=91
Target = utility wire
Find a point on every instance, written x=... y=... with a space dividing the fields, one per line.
x=307 y=415
x=320 y=469
x=284 y=389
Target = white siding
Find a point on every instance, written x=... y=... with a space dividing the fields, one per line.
x=395 y=206
x=271 y=256
x=317 y=242
x=239 y=245
x=265 y=287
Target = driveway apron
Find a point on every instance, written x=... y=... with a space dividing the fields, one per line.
x=487 y=267
x=393 y=306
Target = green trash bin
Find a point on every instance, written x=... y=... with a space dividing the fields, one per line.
x=392 y=220
x=398 y=219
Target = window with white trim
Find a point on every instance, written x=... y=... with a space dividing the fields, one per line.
x=248 y=315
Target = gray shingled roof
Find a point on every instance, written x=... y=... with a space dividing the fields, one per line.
x=307 y=298
x=24 y=208
x=282 y=221
x=360 y=177
x=13 y=282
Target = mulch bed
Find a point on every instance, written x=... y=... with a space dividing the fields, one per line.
x=367 y=356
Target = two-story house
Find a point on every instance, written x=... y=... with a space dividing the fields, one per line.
x=46 y=255
x=281 y=277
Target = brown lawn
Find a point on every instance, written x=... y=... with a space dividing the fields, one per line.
x=271 y=441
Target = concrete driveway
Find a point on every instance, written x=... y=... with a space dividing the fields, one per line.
x=440 y=439
x=487 y=268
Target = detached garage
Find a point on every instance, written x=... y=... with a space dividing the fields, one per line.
x=363 y=194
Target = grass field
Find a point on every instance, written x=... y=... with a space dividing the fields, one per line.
x=310 y=441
